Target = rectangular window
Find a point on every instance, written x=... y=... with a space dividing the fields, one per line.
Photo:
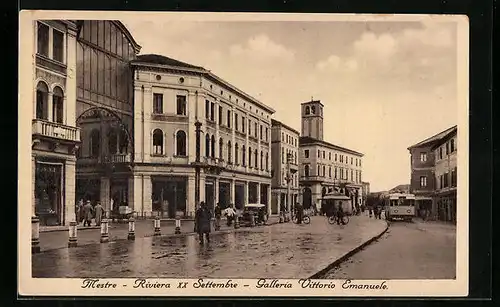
x=446 y=175
x=212 y=111
x=319 y=153
x=423 y=181
x=330 y=172
x=318 y=174
x=335 y=174
x=228 y=119
x=207 y=109
x=58 y=46
x=43 y=39
x=440 y=152
x=351 y=160
x=267 y=134
x=282 y=155
x=454 y=177
x=181 y=105
x=306 y=153
x=236 y=121
x=243 y=119
x=352 y=175
x=423 y=157
x=256 y=129
x=447 y=151
x=452 y=145
x=261 y=132
x=335 y=157
x=157 y=103
x=220 y=115
x=324 y=154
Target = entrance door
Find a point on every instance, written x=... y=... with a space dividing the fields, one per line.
x=307 y=198
x=210 y=195
x=48 y=194
x=224 y=194
x=239 y=196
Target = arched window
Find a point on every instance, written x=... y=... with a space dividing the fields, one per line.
x=207 y=145
x=308 y=111
x=95 y=143
x=262 y=160
x=112 y=142
x=42 y=94
x=267 y=161
x=213 y=147
x=158 y=142
x=243 y=155
x=229 y=150
x=256 y=153
x=313 y=109
x=250 y=156
x=57 y=105
x=306 y=170
x=221 y=149
x=236 y=153
x=181 y=143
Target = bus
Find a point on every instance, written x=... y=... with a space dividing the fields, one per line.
x=399 y=206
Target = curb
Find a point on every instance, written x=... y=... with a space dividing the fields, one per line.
x=78 y=229
x=348 y=255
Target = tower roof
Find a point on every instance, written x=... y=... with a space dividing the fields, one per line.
x=313 y=102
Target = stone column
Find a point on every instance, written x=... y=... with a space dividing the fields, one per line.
x=69 y=191
x=202 y=187
x=278 y=201
x=269 y=199
x=70 y=90
x=33 y=186
x=146 y=137
x=216 y=190
x=258 y=193
x=147 y=202
x=138 y=125
x=245 y=201
x=50 y=96
x=233 y=191
x=135 y=194
x=190 y=205
x=105 y=194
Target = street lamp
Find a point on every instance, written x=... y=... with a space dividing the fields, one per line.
x=197 y=164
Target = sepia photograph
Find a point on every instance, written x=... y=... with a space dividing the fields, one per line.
x=254 y=153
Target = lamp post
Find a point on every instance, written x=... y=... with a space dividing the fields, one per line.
x=197 y=165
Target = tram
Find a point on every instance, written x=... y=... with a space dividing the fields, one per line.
x=399 y=206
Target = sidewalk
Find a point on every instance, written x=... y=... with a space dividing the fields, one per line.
x=57 y=238
x=282 y=251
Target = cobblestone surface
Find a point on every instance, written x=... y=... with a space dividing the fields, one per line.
x=419 y=250
x=280 y=251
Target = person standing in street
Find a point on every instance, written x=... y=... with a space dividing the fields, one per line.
x=79 y=209
x=87 y=213
x=340 y=214
x=300 y=212
x=203 y=217
x=218 y=215
x=99 y=212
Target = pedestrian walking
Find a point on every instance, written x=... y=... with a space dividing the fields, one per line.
x=299 y=212
x=340 y=214
x=87 y=213
x=370 y=211
x=78 y=211
x=99 y=212
x=218 y=215
x=203 y=217
x=379 y=212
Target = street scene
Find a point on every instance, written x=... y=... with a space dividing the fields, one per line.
x=246 y=152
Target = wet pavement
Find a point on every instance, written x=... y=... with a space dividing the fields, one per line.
x=418 y=250
x=279 y=251
x=119 y=231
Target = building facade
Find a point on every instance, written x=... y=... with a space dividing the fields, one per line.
x=325 y=167
x=55 y=137
x=104 y=113
x=365 y=187
x=235 y=143
x=285 y=165
x=433 y=174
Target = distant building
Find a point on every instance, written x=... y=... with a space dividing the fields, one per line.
x=365 y=187
x=325 y=167
x=402 y=188
x=434 y=173
x=285 y=165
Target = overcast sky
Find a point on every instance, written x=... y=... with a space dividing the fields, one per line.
x=385 y=85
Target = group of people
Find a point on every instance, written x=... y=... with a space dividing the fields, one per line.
x=376 y=211
x=337 y=211
x=86 y=212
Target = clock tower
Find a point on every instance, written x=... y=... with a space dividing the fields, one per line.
x=312 y=119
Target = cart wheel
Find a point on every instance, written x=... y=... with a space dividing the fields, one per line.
x=345 y=220
x=331 y=219
x=306 y=219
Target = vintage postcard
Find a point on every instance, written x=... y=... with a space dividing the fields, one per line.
x=237 y=154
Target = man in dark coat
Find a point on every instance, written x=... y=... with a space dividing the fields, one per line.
x=88 y=212
x=300 y=212
x=203 y=218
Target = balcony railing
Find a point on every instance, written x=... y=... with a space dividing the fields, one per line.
x=118 y=158
x=55 y=130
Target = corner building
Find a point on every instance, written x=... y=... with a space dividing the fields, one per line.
x=235 y=143
x=325 y=167
x=285 y=163
x=55 y=137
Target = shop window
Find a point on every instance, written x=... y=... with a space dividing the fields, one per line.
x=58 y=46
x=158 y=142
x=42 y=93
x=43 y=39
x=181 y=143
x=57 y=105
x=181 y=105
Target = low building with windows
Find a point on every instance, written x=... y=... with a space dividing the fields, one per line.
x=285 y=165
x=434 y=173
x=169 y=97
x=325 y=167
x=55 y=136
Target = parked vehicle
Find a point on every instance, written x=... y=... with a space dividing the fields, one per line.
x=254 y=214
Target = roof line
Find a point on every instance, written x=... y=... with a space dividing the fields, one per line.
x=275 y=122
x=127 y=33
x=429 y=139
x=313 y=141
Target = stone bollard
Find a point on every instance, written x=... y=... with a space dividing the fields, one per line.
x=131 y=229
x=252 y=220
x=177 y=225
x=104 y=231
x=157 y=227
x=236 y=222
x=35 y=235
x=73 y=234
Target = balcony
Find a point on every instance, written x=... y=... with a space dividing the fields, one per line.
x=55 y=130
x=118 y=158
x=294 y=168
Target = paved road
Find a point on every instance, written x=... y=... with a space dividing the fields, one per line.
x=418 y=250
x=279 y=251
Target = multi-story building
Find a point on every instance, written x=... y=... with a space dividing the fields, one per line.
x=365 y=187
x=55 y=136
x=325 y=166
x=170 y=97
x=433 y=174
x=285 y=165
x=104 y=112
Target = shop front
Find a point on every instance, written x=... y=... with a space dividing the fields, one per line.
x=49 y=191
x=447 y=206
x=239 y=196
x=169 y=196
